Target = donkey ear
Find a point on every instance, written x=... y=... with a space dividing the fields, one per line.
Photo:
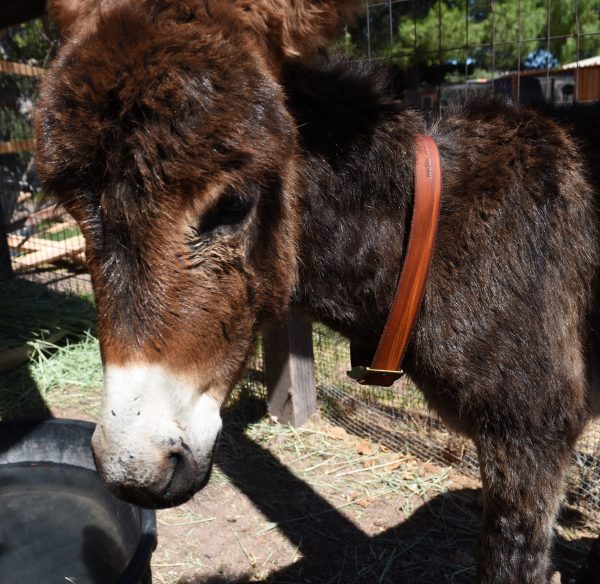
x=289 y=28
x=69 y=15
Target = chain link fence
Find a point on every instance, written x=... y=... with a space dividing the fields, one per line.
x=399 y=418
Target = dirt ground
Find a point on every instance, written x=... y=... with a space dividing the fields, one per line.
x=314 y=505
x=317 y=505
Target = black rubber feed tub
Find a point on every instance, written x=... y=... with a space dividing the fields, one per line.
x=58 y=523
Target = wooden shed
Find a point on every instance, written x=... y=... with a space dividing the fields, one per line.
x=587 y=77
x=578 y=81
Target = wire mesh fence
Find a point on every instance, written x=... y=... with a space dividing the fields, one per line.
x=42 y=241
x=399 y=418
x=529 y=50
x=436 y=51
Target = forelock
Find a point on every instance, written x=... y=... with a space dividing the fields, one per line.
x=140 y=102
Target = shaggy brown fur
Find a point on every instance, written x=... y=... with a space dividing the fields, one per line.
x=215 y=181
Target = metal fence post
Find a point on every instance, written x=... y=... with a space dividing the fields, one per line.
x=290 y=369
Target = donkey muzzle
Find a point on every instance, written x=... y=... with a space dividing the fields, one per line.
x=156 y=441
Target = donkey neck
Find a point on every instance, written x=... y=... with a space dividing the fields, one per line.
x=357 y=159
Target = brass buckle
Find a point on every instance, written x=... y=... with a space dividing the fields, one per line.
x=362 y=374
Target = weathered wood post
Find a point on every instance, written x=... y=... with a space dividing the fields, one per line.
x=290 y=369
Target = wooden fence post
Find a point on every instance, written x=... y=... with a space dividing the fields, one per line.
x=290 y=369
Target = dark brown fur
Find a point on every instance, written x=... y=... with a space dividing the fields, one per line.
x=153 y=116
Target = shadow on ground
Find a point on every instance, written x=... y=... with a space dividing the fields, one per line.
x=436 y=544
x=31 y=312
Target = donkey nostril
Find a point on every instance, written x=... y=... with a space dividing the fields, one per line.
x=176 y=464
x=179 y=462
x=175 y=459
x=183 y=469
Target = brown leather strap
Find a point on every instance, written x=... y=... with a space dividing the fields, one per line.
x=386 y=364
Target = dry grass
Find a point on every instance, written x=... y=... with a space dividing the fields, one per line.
x=317 y=504
x=30 y=312
x=332 y=485
x=68 y=375
x=320 y=505
x=358 y=471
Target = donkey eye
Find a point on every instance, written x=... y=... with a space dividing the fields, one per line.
x=234 y=205
x=227 y=215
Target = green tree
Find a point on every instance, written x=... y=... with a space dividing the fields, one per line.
x=25 y=43
x=563 y=23
x=507 y=24
x=515 y=28
x=445 y=26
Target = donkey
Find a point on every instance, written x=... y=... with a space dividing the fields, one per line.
x=223 y=166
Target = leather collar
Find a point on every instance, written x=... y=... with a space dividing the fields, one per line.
x=386 y=365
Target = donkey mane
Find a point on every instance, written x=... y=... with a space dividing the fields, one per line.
x=357 y=147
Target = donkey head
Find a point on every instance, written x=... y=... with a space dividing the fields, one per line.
x=163 y=129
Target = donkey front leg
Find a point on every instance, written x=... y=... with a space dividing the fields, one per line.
x=522 y=477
